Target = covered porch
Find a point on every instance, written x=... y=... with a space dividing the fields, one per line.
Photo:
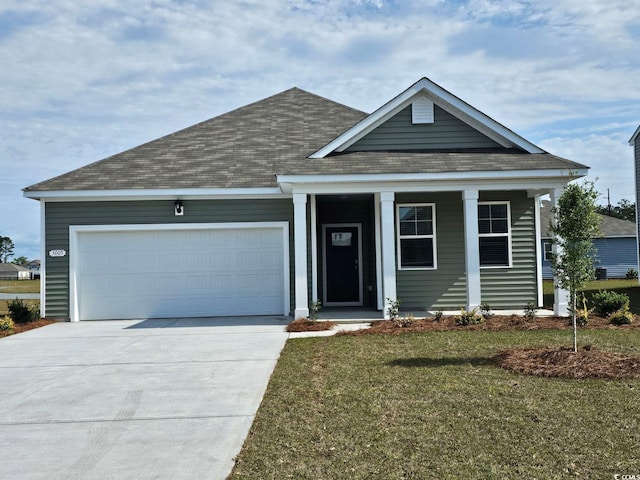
x=347 y=245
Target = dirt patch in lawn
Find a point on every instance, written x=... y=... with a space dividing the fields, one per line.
x=587 y=362
x=23 y=327
x=303 y=325
x=496 y=322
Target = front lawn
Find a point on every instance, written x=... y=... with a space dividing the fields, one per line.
x=432 y=405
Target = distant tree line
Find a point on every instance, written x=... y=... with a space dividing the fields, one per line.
x=625 y=210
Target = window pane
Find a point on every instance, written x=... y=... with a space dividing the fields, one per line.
x=494 y=251
x=407 y=214
x=484 y=226
x=499 y=226
x=425 y=228
x=483 y=211
x=423 y=213
x=407 y=228
x=416 y=252
x=499 y=211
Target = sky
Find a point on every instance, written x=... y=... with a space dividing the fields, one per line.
x=80 y=81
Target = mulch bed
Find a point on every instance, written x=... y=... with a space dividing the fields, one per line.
x=303 y=325
x=587 y=362
x=557 y=362
x=23 y=327
x=496 y=322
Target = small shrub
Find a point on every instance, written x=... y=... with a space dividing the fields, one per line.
x=605 y=302
x=404 y=322
x=468 y=318
x=621 y=317
x=530 y=311
x=314 y=308
x=393 y=309
x=438 y=315
x=485 y=310
x=632 y=273
x=6 y=324
x=20 y=312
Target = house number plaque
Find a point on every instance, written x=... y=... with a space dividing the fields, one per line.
x=57 y=253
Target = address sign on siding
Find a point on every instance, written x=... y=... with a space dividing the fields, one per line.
x=57 y=253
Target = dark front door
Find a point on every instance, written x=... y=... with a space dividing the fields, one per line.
x=342 y=257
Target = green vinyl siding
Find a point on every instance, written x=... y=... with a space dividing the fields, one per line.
x=445 y=287
x=446 y=132
x=60 y=215
x=516 y=286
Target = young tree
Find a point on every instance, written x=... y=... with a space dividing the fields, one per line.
x=6 y=249
x=576 y=223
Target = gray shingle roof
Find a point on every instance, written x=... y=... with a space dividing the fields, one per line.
x=10 y=267
x=249 y=146
x=609 y=226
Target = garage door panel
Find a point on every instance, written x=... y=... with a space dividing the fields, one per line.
x=168 y=273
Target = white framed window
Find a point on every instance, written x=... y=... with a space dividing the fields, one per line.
x=494 y=228
x=548 y=249
x=416 y=231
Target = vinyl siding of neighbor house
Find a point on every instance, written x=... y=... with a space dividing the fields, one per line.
x=636 y=152
x=445 y=287
x=446 y=132
x=60 y=215
x=617 y=255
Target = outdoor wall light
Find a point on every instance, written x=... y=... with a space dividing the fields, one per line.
x=179 y=208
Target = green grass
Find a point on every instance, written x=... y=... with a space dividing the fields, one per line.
x=630 y=287
x=19 y=286
x=432 y=405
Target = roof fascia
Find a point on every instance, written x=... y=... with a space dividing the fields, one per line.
x=157 y=194
x=634 y=137
x=540 y=181
x=443 y=99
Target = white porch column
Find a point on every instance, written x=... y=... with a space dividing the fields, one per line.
x=560 y=296
x=300 y=258
x=472 y=248
x=539 y=251
x=388 y=249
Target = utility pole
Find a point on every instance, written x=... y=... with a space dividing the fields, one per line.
x=608 y=202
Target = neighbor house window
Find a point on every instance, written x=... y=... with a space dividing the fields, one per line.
x=547 y=251
x=416 y=227
x=495 y=237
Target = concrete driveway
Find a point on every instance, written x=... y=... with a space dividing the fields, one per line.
x=133 y=399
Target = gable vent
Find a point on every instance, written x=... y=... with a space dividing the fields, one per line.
x=422 y=110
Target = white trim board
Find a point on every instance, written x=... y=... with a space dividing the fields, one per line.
x=76 y=230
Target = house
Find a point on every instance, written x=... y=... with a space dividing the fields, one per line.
x=634 y=141
x=9 y=271
x=616 y=247
x=34 y=267
x=294 y=198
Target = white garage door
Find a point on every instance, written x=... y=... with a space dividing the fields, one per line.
x=160 y=273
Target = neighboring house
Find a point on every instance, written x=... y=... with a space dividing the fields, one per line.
x=294 y=198
x=634 y=141
x=9 y=271
x=616 y=247
x=34 y=267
